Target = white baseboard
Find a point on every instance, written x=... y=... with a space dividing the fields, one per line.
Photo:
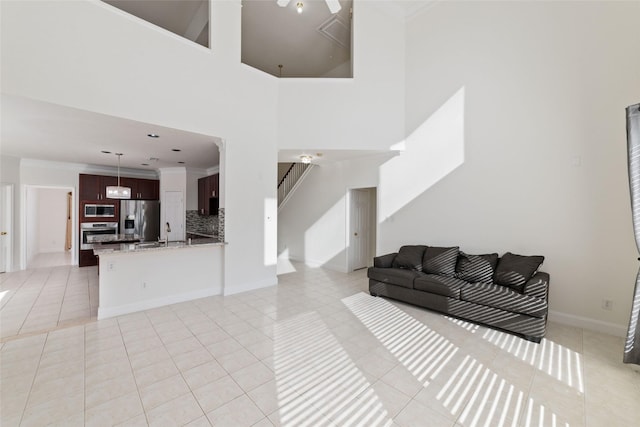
x=587 y=323
x=249 y=286
x=107 y=312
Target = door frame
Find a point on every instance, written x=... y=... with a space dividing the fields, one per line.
x=6 y=193
x=373 y=225
x=23 y=221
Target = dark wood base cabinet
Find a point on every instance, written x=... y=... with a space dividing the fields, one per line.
x=87 y=258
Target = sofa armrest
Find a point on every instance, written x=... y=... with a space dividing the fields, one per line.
x=384 y=261
x=538 y=285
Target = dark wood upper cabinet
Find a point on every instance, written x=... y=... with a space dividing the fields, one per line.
x=93 y=187
x=214 y=185
x=89 y=187
x=203 y=206
x=148 y=189
x=208 y=187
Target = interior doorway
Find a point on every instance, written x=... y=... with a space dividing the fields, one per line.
x=6 y=227
x=49 y=220
x=362 y=228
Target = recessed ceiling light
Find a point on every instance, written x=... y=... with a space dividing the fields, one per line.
x=106 y=152
x=154 y=159
x=176 y=150
x=182 y=163
x=144 y=164
x=153 y=135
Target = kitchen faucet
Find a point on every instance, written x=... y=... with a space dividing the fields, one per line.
x=166 y=239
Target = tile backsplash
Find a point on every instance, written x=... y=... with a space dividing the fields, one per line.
x=202 y=223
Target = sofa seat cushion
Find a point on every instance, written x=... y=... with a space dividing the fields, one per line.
x=394 y=276
x=440 y=285
x=503 y=298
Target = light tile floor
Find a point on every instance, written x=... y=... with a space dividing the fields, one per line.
x=41 y=299
x=314 y=351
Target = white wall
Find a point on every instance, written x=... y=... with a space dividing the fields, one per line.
x=52 y=219
x=32 y=223
x=91 y=56
x=515 y=142
x=544 y=168
x=313 y=223
x=366 y=112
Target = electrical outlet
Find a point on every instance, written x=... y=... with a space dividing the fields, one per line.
x=110 y=266
x=607 y=304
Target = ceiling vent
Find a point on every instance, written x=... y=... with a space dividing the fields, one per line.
x=337 y=31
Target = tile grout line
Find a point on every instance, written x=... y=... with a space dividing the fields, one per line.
x=66 y=285
x=34 y=301
x=124 y=344
x=35 y=375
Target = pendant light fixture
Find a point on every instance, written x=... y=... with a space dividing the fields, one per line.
x=118 y=192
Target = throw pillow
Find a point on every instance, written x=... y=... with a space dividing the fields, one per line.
x=409 y=257
x=440 y=261
x=476 y=268
x=515 y=270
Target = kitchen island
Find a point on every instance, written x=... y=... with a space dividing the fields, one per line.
x=140 y=276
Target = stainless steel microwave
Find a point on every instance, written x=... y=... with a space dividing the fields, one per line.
x=99 y=210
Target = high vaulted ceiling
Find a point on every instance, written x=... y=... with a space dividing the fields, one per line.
x=314 y=43
x=38 y=130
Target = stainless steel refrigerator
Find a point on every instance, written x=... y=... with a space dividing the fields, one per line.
x=140 y=217
x=632 y=344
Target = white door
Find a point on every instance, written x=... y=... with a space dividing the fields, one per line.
x=359 y=242
x=174 y=216
x=6 y=208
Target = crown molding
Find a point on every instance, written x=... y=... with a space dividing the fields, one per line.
x=87 y=168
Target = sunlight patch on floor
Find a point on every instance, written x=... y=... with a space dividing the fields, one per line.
x=317 y=382
x=481 y=396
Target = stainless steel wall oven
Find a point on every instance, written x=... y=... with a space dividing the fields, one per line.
x=88 y=229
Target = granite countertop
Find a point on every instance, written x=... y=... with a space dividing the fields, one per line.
x=114 y=238
x=202 y=234
x=154 y=246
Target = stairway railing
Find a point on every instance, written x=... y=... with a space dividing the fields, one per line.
x=290 y=181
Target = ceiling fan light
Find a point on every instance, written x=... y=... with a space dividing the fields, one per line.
x=299 y=6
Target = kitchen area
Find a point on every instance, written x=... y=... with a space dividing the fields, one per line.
x=146 y=256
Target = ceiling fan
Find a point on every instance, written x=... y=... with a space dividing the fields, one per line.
x=333 y=5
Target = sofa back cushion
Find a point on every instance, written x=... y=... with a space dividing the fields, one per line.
x=442 y=261
x=409 y=257
x=514 y=270
x=476 y=268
